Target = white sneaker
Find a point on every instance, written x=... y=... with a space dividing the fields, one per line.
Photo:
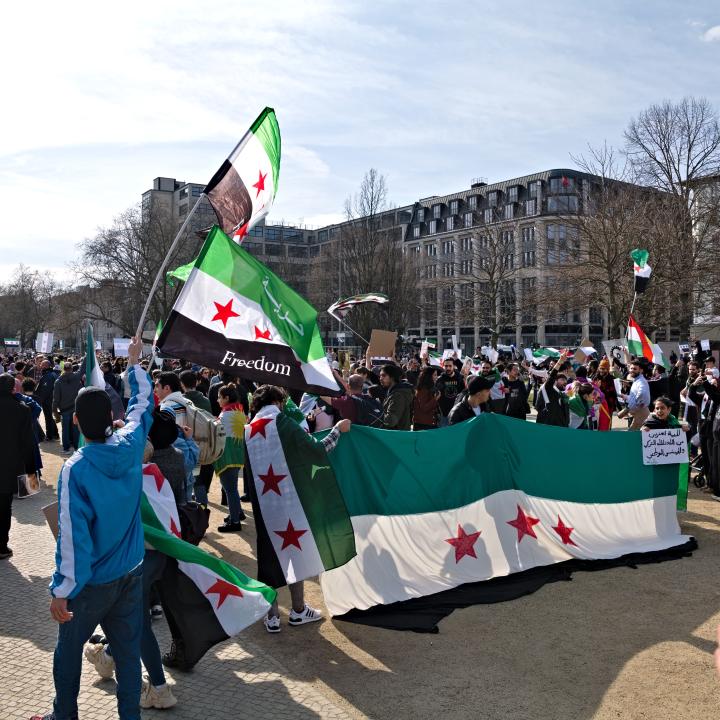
x=103 y=663
x=153 y=697
x=308 y=615
x=272 y=624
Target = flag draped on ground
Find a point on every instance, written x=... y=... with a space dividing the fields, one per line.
x=302 y=509
x=93 y=373
x=341 y=308
x=642 y=269
x=209 y=600
x=640 y=345
x=235 y=314
x=243 y=189
x=521 y=504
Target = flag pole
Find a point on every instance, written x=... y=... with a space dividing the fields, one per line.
x=163 y=265
x=632 y=307
x=343 y=323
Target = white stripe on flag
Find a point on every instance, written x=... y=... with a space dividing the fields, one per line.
x=254 y=168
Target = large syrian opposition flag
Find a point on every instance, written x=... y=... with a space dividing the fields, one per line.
x=93 y=373
x=209 y=600
x=640 y=345
x=302 y=510
x=243 y=189
x=235 y=314
x=341 y=308
x=642 y=269
x=486 y=499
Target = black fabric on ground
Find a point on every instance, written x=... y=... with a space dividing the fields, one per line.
x=423 y=614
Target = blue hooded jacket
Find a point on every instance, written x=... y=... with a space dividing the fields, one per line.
x=100 y=535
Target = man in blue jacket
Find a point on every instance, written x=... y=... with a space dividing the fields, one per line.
x=100 y=545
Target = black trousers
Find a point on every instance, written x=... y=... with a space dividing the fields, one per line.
x=51 y=431
x=5 y=518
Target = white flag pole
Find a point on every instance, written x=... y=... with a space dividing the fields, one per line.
x=163 y=265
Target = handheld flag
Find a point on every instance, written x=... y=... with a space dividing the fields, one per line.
x=640 y=345
x=242 y=191
x=235 y=314
x=93 y=374
x=158 y=331
x=341 y=308
x=642 y=269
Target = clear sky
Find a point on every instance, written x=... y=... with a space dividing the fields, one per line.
x=100 y=98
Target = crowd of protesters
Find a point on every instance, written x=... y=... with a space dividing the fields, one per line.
x=165 y=414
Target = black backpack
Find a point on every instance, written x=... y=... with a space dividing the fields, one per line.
x=194 y=521
x=368 y=411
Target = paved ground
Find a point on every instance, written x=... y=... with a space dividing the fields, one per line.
x=621 y=643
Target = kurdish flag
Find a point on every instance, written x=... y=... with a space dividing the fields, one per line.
x=242 y=191
x=341 y=308
x=521 y=505
x=640 y=345
x=209 y=600
x=93 y=373
x=235 y=314
x=642 y=269
x=302 y=512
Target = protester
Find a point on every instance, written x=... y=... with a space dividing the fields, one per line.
x=579 y=407
x=517 y=405
x=606 y=382
x=65 y=391
x=638 y=399
x=552 y=405
x=662 y=418
x=469 y=405
x=17 y=449
x=426 y=408
x=98 y=575
x=497 y=401
x=450 y=384
x=398 y=402
x=44 y=395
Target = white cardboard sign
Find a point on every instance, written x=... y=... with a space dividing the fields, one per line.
x=120 y=347
x=664 y=447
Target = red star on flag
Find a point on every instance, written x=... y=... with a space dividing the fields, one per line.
x=262 y=334
x=271 y=481
x=523 y=524
x=154 y=471
x=174 y=528
x=564 y=532
x=240 y=232
x=565 y=182
x=258 y=427
x=223 y=589
x=464 y=543
x=224 y=312
x=260 y=184
x=290 y=536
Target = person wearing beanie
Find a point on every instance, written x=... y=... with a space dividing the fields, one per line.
x=17 y=449
x=606 y=382
x=579 y=407
x=469 y=406
x=100 y=544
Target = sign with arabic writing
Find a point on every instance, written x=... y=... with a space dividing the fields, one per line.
x=664 y=447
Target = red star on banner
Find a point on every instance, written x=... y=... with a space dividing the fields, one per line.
x=223 y=589
x=258 y=427
x=154 y=470
x=262 y=334
x=290 y=536
x=224 y=312
x=464 y=543
x=524 y=524
x=564 y=532
x=260 y=184
x=272 y=481
x=240 y=233
x=174 y=528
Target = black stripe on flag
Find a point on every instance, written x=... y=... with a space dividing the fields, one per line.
x=258 y=361
x=641 y=283
x=229 y=197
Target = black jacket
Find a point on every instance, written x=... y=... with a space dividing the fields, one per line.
x=66 y=389
x=461 y=412
x=45 y=386
x=17 y=443
x=517 y=399
x=398 y=406
x=555 y=411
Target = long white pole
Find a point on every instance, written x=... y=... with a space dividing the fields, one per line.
x=163 y=265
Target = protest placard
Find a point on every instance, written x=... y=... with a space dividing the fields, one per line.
x=664 y=447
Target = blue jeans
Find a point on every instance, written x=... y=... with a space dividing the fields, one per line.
x=117 y=608
x=70 y=432
x=229 y=482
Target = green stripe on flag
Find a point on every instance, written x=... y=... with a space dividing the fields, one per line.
x=267 y=131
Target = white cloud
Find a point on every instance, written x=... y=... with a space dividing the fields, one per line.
x=712 y=34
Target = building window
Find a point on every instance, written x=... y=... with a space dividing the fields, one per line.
x=472 y=202
x=468 y=219
x=596 y=316
x=276 y=250
x=466 y=244
x=562 y=245
x=530 y=206
x=488 y=216
x=416 y=231
x=448 y=247
x=197 y=190
x=431 y=272
x=454 y=207
x=437 y=209
x=466 y=267
x=415 y=250
x=182 y=210
x=183 y=193
x=509 y=213
x=450 y=223
x=256 y=231
x=492 y=199
x=529 y=300
x=322 y=236
x=297 y=251
x=512 y=194
x=433 y=227
x=421 y=214
x=529 y=247
x=508 y=247
x=448 y=270
x=534 y=189
x=431 y=250
x=563 y=204
x=562 y=185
